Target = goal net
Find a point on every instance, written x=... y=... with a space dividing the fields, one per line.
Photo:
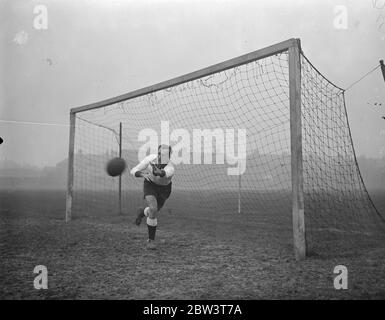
x=230 y=129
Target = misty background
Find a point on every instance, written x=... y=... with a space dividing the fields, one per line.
x=94 y=50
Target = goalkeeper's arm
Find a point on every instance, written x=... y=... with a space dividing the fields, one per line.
x=142 y=165
x=139 y=174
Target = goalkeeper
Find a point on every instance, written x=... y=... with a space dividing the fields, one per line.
x=157 y=171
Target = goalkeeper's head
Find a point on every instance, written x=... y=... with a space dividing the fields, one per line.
x=164 y=154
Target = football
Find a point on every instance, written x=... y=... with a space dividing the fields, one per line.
x=115 y=167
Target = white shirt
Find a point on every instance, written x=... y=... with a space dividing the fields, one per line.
x=145 y=166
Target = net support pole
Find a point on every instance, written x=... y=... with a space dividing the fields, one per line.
x=382 y=68
x=296 y=151
x=239 y=193
x=120 y=176
x=70 y=172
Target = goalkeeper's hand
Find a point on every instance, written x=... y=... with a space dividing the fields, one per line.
x=140 y=174
x=156 y=171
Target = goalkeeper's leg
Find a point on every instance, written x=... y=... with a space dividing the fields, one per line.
x=151 y=212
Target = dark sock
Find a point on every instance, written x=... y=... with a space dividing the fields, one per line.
x=151 y=232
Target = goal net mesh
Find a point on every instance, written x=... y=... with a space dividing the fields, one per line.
x=204 y=119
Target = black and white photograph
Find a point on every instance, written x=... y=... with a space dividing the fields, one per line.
x=192 y=155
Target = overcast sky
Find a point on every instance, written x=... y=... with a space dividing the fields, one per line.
x=93 y=50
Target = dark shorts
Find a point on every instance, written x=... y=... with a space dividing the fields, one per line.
x=161 y=193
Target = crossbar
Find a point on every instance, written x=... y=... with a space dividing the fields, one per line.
x=228 y=64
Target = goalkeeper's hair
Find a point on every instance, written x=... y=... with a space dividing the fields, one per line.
x=165 y=146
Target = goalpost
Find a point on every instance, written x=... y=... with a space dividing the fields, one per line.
x=300 y=156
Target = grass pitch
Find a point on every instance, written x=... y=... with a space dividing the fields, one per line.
x=200 y=256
